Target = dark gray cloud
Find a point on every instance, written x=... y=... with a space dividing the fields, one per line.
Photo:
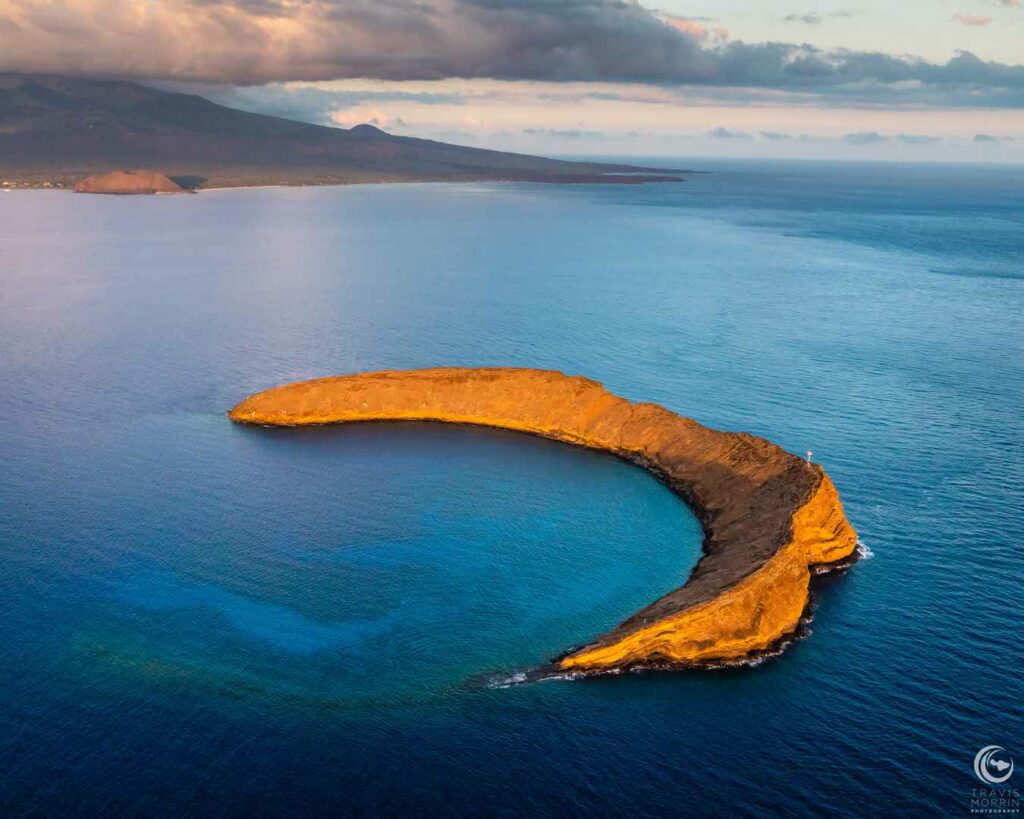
x=259 y=41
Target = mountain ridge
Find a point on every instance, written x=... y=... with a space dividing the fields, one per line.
x=59 y=129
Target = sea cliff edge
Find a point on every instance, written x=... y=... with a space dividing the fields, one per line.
x=770 y=518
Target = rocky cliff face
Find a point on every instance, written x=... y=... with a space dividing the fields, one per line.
x=768 y=516
x=126 y=182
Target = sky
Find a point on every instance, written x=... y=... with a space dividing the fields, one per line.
x=938 y=80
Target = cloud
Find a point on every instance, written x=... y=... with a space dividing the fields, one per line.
x=258 y=41
x=971 y=19
x=774 y=135
x=865 y=138
x=317 y=105
x=875 y=138
x=727 y=133
x=991 y=138
x=1013 y=3
x=815 y=18
x=349 y=118
x=252 y=42
x=565 y=133
x=694 y=26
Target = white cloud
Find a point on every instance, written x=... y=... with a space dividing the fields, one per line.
x=972 y=19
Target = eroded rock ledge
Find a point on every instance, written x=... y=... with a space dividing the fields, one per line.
x=769 y=517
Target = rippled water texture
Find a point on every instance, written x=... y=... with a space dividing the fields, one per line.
x=208 y=618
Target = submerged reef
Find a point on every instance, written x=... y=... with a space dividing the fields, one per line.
x=770 y=518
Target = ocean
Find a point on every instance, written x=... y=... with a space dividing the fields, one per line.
x=206 y=619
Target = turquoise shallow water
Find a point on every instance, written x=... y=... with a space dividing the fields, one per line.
x=205 y=618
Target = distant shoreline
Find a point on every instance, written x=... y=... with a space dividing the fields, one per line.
x=64 y=182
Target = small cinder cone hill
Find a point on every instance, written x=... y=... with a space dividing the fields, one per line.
x=128 y=182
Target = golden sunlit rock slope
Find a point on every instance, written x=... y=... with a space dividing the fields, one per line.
x=125 y=182
x=769 y=517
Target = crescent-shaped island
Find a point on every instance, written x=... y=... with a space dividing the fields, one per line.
x=770 y=518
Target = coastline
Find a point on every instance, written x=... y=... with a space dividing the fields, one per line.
x=67 y=183
x=202 y=178
x=770 y=519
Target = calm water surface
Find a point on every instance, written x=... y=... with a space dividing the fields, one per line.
x=208 y=619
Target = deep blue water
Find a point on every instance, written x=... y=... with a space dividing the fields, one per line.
x=215 y=620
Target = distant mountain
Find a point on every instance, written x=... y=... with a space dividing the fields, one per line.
x=59 y=129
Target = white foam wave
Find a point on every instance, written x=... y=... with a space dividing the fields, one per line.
x=863 y=550
x=507 y=682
